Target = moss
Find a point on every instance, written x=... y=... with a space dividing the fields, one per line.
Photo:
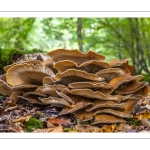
x=8 y=56
x=133 y=121
x=33 y=123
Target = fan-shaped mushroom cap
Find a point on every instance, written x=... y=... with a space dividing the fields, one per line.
x=116 y=62
x=90 y=84
x=113 y=112
x=110 y=73
x=61 y=94
x=34 y=93
x=131 y=87
x=115 y=82
x=55 y=101
x=95 y=86
x=72 y=75
x=32 y=99
x=92 y=66
x=50 y=89
x=84 y=116
x=7 y=90
x=14 y=96
x=48 y=80
x=122 y=64
x=75 y=56
x=27 y=74
x=105 y=104
x=143 y=91
x=130 y=105
x=73 y=108
x=98 y=95
x=105 y=118
x=34 y=62
x=49 y=64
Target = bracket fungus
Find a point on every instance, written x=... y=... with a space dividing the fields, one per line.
x=81 y=84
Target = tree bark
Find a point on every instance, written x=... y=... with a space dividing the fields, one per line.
x=79 y=32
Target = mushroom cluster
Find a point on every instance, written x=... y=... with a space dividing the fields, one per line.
x=82 y=84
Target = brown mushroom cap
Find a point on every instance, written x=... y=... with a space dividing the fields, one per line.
x=110 y=73
x=67 y=97
x=83 y=115
x=122 y=64
x=7 y=90
x=92 y=66
x=48 y=80
x=27 y=74
x=55 y=101
x=113 y=112
x=143 y=91
x=32 y=99
x=73 y=108
x=99 y=95
x=34 y=62
x=130 y=105
x=75 y=56
x=115 y=82
x=14 y=96
x=90 y=84
x=95 y=86
x=107 y=118
x=72 y=75
x=131 y=87
x=116 y=62
x=49 y=64
x=34 y=93
x=105 y=104
x=50 y=89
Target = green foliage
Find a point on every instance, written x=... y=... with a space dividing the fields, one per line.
x=33 y=123
x=146 y=78
x=133 y=121
x=116 y=38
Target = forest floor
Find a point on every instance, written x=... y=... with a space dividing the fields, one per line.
x=27 y=117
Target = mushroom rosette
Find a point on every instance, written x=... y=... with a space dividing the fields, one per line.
x=81 y=84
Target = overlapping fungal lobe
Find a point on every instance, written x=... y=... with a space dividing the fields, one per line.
x=27 y=74
x=82 y=84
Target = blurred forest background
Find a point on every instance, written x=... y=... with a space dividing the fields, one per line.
x=116 y=38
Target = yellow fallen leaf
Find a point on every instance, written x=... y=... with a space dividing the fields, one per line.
x=108 y=128
x=58 y=129
x=22 y=119
x=143 y=116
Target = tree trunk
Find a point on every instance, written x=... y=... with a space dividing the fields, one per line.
x=79 y=32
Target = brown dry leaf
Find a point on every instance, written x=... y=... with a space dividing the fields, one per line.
x=87 y=128
x=61 y=121
x=22 y=119
x=108 y=128
x=121 y=127
x=10 y=108
x=42 y=130
x=58 y=129
x=16 y=126
x=143 y=116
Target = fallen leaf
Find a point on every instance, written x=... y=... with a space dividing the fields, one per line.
x=42 y=130
x=22 y=119
x=58 y=129
x=143 y=116
x=60 y=121
x=87 y=128
x=108 y=128
x=10 y=108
